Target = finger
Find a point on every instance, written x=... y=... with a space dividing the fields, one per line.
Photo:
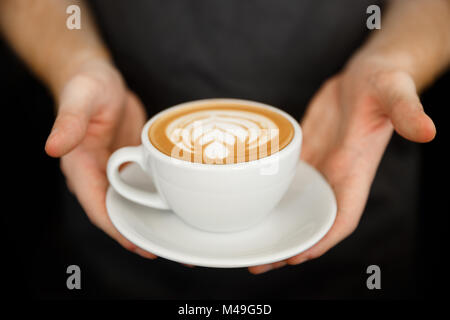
x=351 y=202
x=343 y=226
x=89 y=184
x=143 y=253
x=188 y=265
x=266 y=267
x=337 y=233
x=398 y=95
x=350 y=172
x=71 y=123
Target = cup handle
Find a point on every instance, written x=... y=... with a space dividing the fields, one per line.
x=133 y=154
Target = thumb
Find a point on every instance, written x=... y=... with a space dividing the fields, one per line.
x=402 y=104
x=71 y=123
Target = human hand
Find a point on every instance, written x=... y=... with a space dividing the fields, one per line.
x=97 y=114
x=346 y=129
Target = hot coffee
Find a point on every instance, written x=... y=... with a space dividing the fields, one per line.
x=216 y=186
x=220 y=132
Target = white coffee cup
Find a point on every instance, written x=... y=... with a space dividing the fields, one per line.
x=211 y=197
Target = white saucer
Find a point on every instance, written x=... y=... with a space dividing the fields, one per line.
x=301 y=219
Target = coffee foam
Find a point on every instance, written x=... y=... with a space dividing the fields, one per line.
x=221 y=133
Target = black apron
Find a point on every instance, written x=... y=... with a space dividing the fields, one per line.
x=276 y=52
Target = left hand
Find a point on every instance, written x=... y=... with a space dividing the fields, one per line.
x=346 y=129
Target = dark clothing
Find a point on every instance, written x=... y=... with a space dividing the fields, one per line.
x=276 y=52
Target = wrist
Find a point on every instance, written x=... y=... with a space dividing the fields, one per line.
x=61 y=73
x=422 y=69
x=378 y=60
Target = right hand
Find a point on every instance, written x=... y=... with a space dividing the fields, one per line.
x=97 y=114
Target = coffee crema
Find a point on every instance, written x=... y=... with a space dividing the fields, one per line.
x=220 y=133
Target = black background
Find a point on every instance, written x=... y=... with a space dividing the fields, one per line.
x=34 y=261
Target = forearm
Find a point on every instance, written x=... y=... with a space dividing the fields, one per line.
x=37 y=31
x=415 y=37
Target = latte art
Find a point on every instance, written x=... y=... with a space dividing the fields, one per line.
x=221 y=134
x=216 y=134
